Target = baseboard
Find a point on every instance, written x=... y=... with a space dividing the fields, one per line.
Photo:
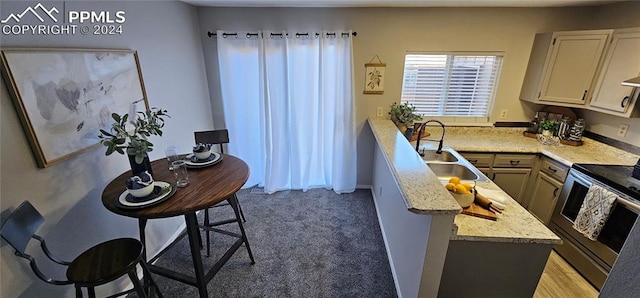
x=386 y=244
x=363 y=186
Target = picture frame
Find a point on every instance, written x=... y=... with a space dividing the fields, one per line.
x=374 y=78
x=63 y=97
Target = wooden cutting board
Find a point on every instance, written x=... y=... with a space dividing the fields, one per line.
x=476 y=210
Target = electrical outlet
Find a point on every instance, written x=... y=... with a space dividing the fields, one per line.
x=379 y=112
x=503 y=113
x=622 y=132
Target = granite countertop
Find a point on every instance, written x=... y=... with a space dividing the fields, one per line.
x=506 y=139
x=411 y=173
x=413 y=177
x=515 y=225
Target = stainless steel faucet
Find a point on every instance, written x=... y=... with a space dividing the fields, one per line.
x=439 y=151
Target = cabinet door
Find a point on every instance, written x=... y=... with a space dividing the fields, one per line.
x=512 y=181
x=544 y=196
x=621 y=63
x=571 y=66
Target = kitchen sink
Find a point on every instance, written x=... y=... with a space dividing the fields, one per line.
x=445 y=156
x=449 y=164
x=445 y=171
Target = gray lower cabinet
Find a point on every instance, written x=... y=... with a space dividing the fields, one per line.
x=546 y=189
x=544 y=196
x=511 y=172
x=513 y=181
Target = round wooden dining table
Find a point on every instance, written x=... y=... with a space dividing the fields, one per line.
x=207 y=186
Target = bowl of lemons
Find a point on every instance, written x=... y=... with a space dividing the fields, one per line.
x=462 y=192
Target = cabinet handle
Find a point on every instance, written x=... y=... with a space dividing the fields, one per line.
x=514 y=162
x=626 y=98
x=473 y=160
x=555 y=192
x=493 y=177
x=585 y=94
x=552 y=169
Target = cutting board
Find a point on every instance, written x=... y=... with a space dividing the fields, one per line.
x=476 y=210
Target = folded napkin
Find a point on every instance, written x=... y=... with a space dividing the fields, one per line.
x=498 y=198
x=594 y=211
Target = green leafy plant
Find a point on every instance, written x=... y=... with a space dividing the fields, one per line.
x=133 y=142
x=403 y=113
x=549 y=125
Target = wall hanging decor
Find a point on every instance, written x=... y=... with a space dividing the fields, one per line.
x=374 y=76
x=65 y=96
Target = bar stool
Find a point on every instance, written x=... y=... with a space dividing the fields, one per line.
x=96 y=266
x=215 y=137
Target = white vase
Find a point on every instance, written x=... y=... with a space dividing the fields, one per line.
x=546 y=133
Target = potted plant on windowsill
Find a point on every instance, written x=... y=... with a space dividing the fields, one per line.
x=549 y=128
x=403 y=115
x=134 y=142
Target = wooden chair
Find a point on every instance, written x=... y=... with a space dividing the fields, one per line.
x=215 y=137
x=96 y=266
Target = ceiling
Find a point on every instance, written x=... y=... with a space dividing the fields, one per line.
x=398 y=3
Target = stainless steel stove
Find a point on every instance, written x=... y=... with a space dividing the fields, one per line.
x=618 y=177
x=594 y=259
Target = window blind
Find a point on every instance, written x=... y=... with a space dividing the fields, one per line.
x=451 y=85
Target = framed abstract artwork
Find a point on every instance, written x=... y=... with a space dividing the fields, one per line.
x=63 y=97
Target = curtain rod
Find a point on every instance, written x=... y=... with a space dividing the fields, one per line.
x=225 y=34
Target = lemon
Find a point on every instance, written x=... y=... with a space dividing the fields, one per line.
x=450 y=186
x=454 y=180
x=460 y=189
x=468 y=186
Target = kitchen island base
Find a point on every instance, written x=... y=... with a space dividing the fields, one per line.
x=492 y=269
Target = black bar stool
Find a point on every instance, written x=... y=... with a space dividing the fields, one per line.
x=215 y=137
x=96 y=266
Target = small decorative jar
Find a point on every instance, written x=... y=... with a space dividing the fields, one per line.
x=564 y=128
x=575 y=134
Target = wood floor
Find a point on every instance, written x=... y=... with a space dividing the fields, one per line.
x=559 y=279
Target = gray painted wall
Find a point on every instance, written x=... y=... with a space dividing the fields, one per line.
x=167 y=38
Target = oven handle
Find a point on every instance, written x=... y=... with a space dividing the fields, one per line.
x=635 y=207
x=582 y=179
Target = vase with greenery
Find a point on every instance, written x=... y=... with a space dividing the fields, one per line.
x=403 y=115
x=549 y=127
x=131 y=136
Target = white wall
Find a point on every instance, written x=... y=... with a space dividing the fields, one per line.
x=167 y=38
x=391 y=32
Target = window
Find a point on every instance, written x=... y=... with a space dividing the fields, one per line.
x=451 y=87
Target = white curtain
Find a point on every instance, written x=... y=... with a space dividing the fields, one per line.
x=289 y=108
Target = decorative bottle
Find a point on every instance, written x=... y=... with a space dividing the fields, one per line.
x=576 y=130
x=563 y=129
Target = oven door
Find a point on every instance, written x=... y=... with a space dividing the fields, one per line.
x=614 y=233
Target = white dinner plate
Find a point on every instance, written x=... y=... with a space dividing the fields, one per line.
x=193 y=162
x=161 y=192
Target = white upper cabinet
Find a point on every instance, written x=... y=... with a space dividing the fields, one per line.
x=562 y=67
x=622 y=62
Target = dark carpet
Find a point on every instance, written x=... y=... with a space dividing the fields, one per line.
x=305 y=244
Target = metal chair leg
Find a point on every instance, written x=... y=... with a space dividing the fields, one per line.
x=240 y=208
x=233 y=201
x=147 y=274
x=206 y=224
x=92 y=292
x=137 y=285
x=78 y=291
